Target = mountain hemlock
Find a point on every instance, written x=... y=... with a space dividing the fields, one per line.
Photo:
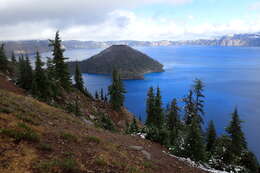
x=198 y=89
x=211 y=137
x=13 y=58
x=25 y=74
x=40 y=84
x=173 y=120
x=3 y=59
x=189 y=108
x=79 y=84
x=194 y=144
x=150 y=103
x=158 y=110
x=238 y=142
x=116 y=91
x=60 y=67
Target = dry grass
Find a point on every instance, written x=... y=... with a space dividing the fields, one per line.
x=37 y=138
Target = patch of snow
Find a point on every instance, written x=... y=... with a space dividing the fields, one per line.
x=141 y=135
x=194 y=164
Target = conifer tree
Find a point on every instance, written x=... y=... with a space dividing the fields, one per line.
x=173 y=120
x=250 y=161
x=116 y=91
x=3 y=59
x=238 y=142
x=53 y=84
x=158 y=110
x=150 y=103
x=105 y=99
x=101 y=94
x=79 y=84
x=211 y=137
x=198 y=89
x=194 y=145
x=41 y=87
x=61 y=69
x=189 y=108
x=140 y=118
x=25 y=76
x=96 y=95
x=133 y=128
x=13 y=58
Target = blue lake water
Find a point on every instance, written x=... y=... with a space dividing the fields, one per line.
x=231 y=76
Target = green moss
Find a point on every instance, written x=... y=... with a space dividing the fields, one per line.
x=45 y=147
x=100 y=161
x=132 y=169
x=23 y=133
x=93 y=139
x=69 y=137
x=68 y=165
x=26 y=119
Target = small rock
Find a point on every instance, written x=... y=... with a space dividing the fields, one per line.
x=87 y=121
x=146 y=154
x=138 y=148
x=92 y=117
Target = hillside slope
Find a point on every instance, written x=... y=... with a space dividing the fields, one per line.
x=131 y=63
x=35 y=137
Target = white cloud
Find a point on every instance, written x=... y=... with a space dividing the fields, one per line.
x=105 y=20
x=255 y=6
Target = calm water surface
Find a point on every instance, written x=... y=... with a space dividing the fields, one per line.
x=231 y=76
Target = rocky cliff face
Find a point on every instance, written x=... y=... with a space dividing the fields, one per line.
x=131 y=64
x=30 y=46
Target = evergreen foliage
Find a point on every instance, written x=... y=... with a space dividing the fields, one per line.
x=3 y=60
x=158 y=110
x=194 y=145
x=79 y=84
x=13 y=58
x=150 y=103
x=61 y=72
x=40 y=87
x=198 y=89
x=116 y=91
x=173 y=120
x=96 y=95
x=250 y=162
x=211 y=137
x=25 y=76
x=133 y=128
x=101 y=94
x=238 y=142
x=189 y=108
x=53 y=83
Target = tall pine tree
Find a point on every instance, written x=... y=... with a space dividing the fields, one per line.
x=3 y=60
x=173 y=120
x=189 y=108
x=158 y=110
x=211 y=137
x=150 y=102
x=194 y=144
x=198 y=89
x=238 y=142
x=61 y=69
x=79 y=84
x=116 y=91
x=41 y=87
x=25 y=76
x=13 y=58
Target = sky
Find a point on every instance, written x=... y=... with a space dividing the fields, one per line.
x=144 y=20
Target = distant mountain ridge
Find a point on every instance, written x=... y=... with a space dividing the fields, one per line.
x=131 y=63
x=30 y=46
